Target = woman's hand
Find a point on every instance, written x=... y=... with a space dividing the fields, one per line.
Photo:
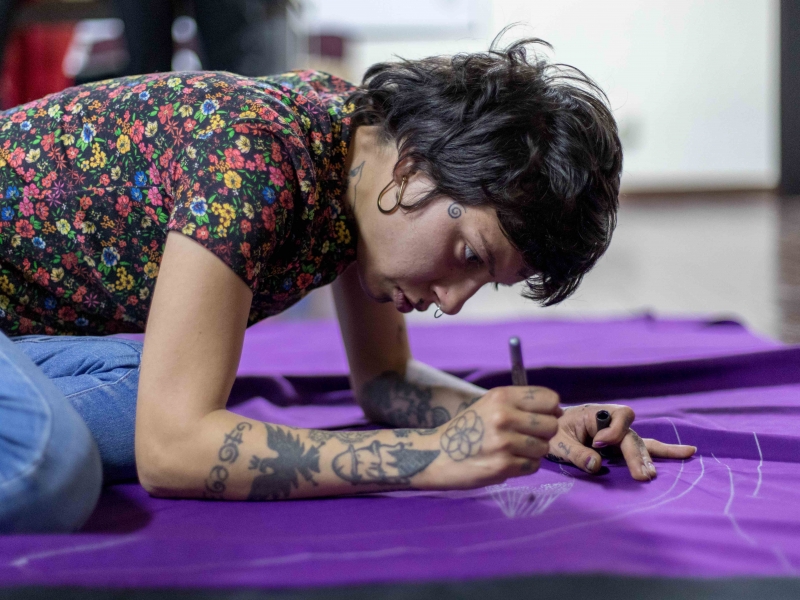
x=577 y=429
x=504 y=434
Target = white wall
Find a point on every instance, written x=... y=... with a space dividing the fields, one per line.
x=693 y=83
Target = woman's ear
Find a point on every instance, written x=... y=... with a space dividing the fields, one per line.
x=403 y=168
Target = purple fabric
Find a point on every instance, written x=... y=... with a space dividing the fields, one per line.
x=731 y=510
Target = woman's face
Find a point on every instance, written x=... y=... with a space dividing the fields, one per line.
x=440 y=254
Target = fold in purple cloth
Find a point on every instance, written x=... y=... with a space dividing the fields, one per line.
x=728 y=511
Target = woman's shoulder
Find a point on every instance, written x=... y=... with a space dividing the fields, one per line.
x=310 y=84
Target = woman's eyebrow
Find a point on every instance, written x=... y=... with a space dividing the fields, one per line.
x=489 y=255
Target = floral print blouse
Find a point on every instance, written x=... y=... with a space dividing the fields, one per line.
x=93 y=178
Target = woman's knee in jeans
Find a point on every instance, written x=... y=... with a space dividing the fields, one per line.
x=99 y=376
x=59 y=489
x=50 y=469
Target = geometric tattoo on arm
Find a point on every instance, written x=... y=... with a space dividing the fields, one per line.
x=464 y=437
x=400 y=403
x=280 y=474
x=228 y=453
x=382 y=464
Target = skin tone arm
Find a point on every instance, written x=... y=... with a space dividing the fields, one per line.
x=188 y=445
x=390 y=386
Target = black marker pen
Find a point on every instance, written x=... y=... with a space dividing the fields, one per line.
x=603 y=420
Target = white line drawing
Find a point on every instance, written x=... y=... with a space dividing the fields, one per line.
x=727 y=511
x=778 y=552
x=352 y=555
x=528 y=538
x=23 y=561
x=298 y=557
x=397 y=550
x=760 y=464
x=523 y=501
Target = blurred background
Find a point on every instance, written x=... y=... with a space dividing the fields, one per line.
x=706 y=94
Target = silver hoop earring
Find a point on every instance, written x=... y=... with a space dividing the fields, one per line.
x=438 y=312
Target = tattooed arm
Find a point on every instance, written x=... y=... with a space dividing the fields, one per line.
x=234 y=458
x=420 y=397
x=262 y=461
x=188 y=445
x=391 y=387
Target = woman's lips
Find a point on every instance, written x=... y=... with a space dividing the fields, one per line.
x=401 y=302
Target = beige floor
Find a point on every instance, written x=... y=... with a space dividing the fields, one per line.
x=671 y=256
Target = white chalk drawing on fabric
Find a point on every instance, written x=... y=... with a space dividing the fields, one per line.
x=507 y=543
x=778 y=552
x=23 y=561
x=517 y=502
x=760 y=464
x=727 y=510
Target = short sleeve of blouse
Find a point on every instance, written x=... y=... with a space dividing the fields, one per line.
x=234 y=191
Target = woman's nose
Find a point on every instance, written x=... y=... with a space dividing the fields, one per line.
x=453 y=297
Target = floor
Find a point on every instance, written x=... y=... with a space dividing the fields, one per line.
x=722 y=255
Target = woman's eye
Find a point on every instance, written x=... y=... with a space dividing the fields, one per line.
x=471 y=257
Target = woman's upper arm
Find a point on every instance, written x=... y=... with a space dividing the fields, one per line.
x=374 y=334
x=192 y=345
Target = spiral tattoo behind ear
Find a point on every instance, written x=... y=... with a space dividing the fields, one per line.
x=455 y=210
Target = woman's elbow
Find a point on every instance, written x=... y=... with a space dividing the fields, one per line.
x=161 y=468
x=154 y=468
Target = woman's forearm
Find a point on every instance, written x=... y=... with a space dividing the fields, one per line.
x=421 y=397
x=233 y=458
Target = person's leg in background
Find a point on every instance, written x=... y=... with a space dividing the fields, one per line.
x=247 y=37
x=6 y=20
x=50 y=469
x=99 y=376
x=148 y=34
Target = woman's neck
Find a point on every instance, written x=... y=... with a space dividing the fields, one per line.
x=369 y=161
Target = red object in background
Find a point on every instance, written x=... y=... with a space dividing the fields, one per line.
x=32 y=63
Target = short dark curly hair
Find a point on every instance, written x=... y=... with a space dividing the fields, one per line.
x=506 y=128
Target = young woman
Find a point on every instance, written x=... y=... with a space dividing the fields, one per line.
x=200 y=203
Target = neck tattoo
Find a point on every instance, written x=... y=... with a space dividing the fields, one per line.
x=355 y=176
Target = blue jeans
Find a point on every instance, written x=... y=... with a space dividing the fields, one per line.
x=67 y=412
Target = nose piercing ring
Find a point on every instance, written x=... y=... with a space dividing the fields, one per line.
x=438 y=313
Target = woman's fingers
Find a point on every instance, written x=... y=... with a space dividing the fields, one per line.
x=621 y=419
x=662 y=450
x=637 y=457
x=562 y=449
x=535 y=424
x=535 y=399
x=526 y=446
x=523 y=466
